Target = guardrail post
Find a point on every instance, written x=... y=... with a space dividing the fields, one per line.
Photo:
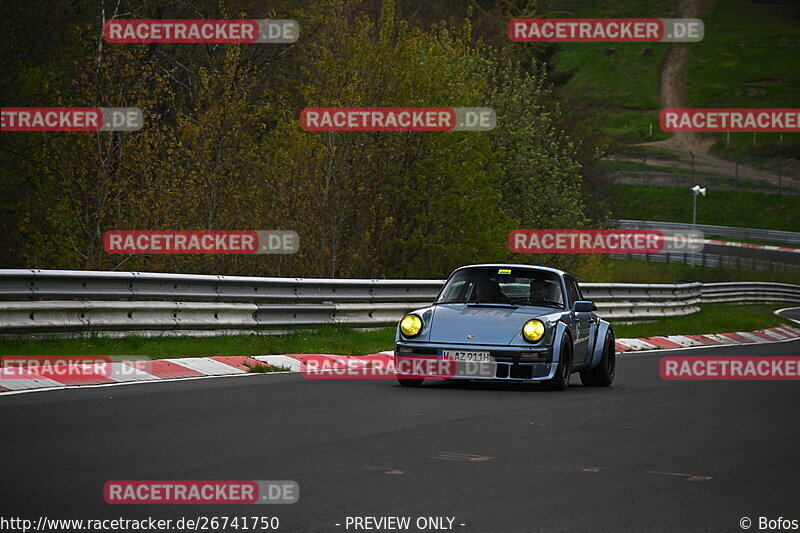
x=644 y=169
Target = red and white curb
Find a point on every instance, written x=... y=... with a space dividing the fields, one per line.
x=298 y=362
x=203 y=367
x=674 y=342
x=752 y=246
x=127 y=372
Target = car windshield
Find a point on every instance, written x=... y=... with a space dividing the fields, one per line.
x=515 y=286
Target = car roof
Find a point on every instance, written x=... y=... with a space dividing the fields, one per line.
x=516 y=265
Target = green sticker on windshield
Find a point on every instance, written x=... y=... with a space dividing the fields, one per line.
x=504 y=271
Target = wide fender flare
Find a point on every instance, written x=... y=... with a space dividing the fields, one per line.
x=603 y=328
x=558 y=335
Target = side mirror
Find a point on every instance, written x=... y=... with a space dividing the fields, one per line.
x=584 y=306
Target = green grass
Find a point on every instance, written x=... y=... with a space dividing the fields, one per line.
x=723 y=208
x=747 y=58
x=329 y=339
x=748 y=155
x=626 y=80
x=613 y=8
x=630 y=126
x=623 y=87
x=756 y=150
x=713 y=318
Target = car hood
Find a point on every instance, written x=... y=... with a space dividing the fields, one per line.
x=488 y=324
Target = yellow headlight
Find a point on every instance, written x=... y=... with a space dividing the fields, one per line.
x=533 y=330
x=411 y=325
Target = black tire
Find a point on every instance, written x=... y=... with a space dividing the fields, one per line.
x=603 y=374
x=410 y=382
x=560 y=381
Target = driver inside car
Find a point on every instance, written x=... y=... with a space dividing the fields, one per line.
x=488 y=290
x=539 y=290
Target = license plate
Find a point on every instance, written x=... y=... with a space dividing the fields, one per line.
x=473 y=357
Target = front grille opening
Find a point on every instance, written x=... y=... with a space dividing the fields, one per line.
x=502 y=371
x=416 y=351
x=521 y=372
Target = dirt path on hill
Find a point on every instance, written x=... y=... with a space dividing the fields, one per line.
x=683 y=144
x=673 y=87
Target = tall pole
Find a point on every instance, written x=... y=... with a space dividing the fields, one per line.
x=694 y=220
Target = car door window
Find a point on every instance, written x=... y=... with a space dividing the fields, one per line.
x=580 y=293
x=572 y=291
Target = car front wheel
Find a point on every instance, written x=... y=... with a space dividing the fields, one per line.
x=560 y=381
x=603 y=374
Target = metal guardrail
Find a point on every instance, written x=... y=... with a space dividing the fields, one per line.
x=21 y=284
x=75 y=315
x=643 y=301
x=732 y=262
x=742 y=234
x=750 y=292
x=45 y=301
x=83 y=301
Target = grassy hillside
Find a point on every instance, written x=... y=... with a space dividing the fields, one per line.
x=748 y=58
x=623 y=86
x=723 y=208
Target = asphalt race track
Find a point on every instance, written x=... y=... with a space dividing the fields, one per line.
x=775 y=256
x=792 y=313
x=644 y=455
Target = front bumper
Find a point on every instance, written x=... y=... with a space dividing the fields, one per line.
x=507 y=363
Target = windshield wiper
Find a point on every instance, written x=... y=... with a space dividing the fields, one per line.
x=504 y=304
x=546 y=303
